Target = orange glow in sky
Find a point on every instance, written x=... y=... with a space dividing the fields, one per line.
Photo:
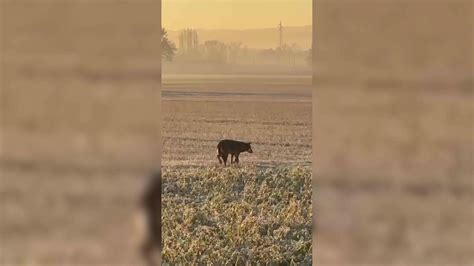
x=235 y=14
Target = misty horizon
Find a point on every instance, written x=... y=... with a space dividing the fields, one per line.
x=235 y=29
x=253 y=38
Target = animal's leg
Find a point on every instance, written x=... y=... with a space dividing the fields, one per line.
x=152 y=212
x=231 y=158
x=219 y=157
x=224 y=157
x=236 y=158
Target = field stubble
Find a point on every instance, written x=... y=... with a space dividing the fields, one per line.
x=259 y=211
x=236 y=215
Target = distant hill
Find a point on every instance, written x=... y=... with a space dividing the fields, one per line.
x=255 y=38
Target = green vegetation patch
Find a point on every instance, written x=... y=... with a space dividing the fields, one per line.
x=236 y=215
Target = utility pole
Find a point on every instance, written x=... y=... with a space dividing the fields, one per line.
x=280 y=30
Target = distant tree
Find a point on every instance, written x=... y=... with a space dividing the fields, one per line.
x=168 y=47
x=268 y=52
x=234 y=50
x=188 y=41
x=215 y=51
x=267 y=55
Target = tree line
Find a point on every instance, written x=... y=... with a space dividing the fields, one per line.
x=217 y=52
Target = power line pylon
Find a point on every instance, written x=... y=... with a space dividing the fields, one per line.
x=280 y=30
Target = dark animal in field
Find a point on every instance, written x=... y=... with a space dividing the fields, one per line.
x=151 y=204
x=232 y=147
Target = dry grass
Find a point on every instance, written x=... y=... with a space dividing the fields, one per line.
x=258 y=212
x=236 y=215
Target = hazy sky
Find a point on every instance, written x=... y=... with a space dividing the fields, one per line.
x=235 y=14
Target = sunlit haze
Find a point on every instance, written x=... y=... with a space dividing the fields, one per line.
x=235 y=14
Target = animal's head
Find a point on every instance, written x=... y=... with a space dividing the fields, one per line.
x=249 y=149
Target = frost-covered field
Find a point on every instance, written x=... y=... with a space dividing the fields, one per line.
x=236 y=215
x=258 y=211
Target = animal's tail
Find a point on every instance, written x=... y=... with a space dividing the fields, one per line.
x=219 y=153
